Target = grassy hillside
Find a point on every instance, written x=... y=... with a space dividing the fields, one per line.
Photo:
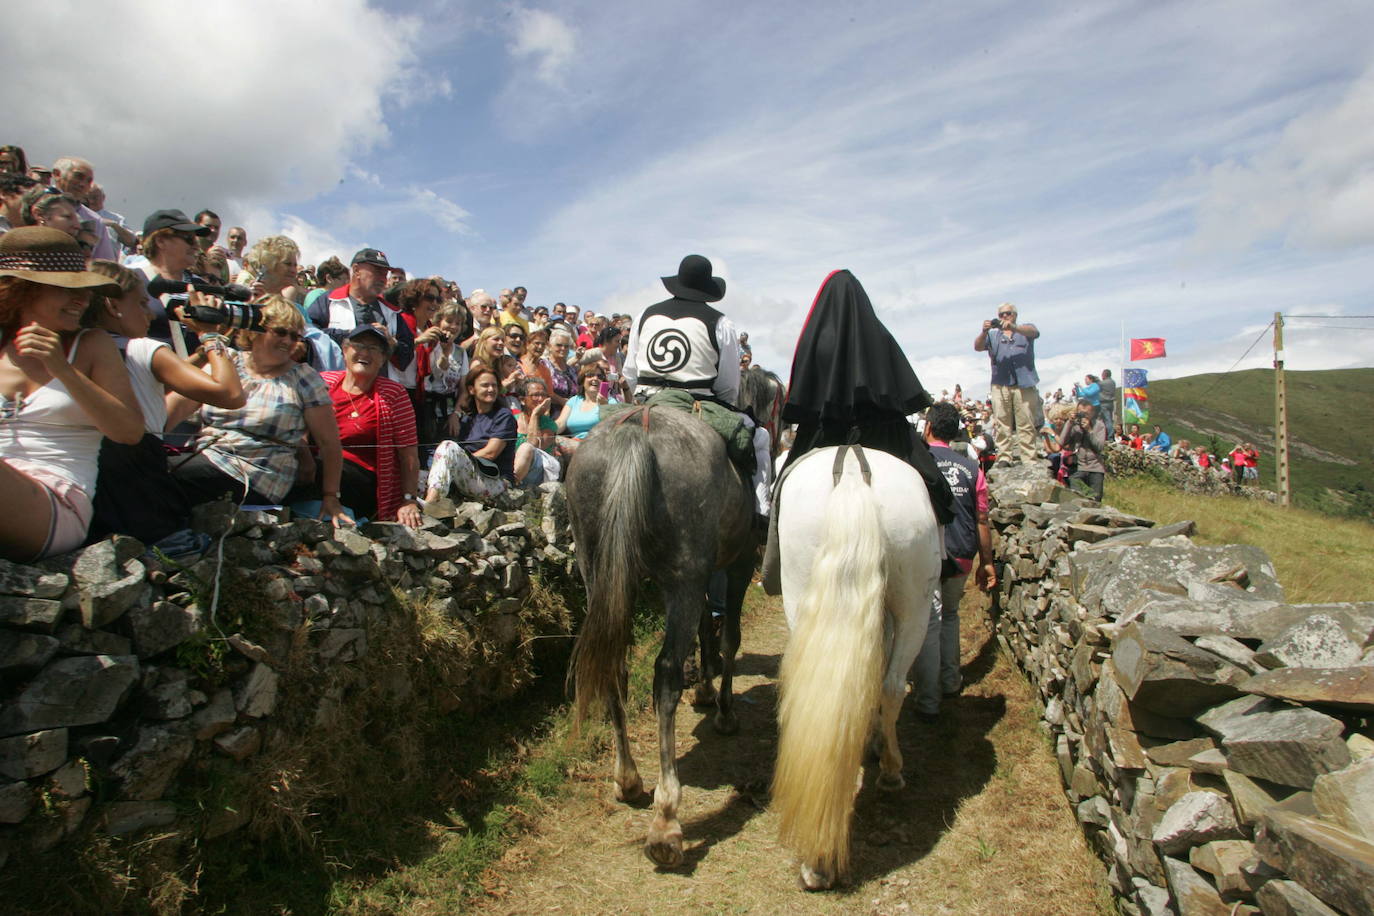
x=1318 y=558
x=1331 y=428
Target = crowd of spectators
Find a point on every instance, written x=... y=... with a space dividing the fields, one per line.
x=146 y=369
x=1073 y=455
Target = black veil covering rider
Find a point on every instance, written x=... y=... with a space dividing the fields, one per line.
x=851 y=382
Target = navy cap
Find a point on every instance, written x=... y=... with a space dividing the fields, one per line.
x=371 y=256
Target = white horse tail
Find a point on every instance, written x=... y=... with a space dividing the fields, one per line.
x=831 y=681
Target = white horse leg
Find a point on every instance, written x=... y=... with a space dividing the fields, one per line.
x=909 y=604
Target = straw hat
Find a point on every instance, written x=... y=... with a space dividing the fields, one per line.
x=50 y=257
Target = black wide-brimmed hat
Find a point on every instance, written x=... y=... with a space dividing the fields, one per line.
x=694 y=281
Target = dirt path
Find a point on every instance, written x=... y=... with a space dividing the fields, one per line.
x=982 y=826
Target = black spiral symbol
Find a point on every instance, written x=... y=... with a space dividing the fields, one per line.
x=669 y=351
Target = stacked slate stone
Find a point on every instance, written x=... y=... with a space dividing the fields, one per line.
x=96 y=685
x=1123 y=461
x=1214 y=740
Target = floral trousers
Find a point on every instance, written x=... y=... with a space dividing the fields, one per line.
x=453 y=468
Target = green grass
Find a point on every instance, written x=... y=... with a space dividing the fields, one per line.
x=1318 y=558
x=519 y=782
x=1331 y=428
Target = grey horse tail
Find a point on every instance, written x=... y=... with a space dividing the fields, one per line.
x=623 y=526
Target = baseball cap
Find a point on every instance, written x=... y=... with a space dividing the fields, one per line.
x=364 y=329
x=371 y=256
x=174 y=220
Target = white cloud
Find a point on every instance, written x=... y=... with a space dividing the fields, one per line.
x=443 y=211
x=542 y=38
x=316 y=242
x=1314 y=185
x=242 y=105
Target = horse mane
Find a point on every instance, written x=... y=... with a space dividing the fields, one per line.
x=757 y=389
x=762 y=393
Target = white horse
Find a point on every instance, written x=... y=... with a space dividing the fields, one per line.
x=860 y=562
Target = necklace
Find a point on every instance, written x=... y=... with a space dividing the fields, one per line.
x=353 y=403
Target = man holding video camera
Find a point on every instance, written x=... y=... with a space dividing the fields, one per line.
x=170 y=243
x=360 y=302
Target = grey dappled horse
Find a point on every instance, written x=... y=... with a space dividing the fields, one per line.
x=652 y=495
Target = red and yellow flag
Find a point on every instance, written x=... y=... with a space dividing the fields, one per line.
x=1146 y=348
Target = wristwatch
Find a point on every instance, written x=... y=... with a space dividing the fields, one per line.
x=407 y=497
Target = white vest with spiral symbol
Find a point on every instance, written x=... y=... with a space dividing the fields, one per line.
x=677 y=352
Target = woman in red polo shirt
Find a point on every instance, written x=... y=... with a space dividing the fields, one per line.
x=381 y=467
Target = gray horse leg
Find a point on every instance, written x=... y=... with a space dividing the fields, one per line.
x=682 y=595
x=738 y=576
x=628 y=785
x=717 y=602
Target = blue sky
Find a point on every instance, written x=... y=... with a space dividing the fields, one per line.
x=1188 y=168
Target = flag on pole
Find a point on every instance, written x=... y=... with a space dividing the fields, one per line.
x=1137 y=402
x=1135 y=378
x=1146 y=348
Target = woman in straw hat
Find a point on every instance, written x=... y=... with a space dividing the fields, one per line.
x=61 y=390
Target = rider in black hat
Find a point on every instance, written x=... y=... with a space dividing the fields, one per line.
x=686 y=344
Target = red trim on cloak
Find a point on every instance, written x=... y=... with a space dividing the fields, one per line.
x=809 y=311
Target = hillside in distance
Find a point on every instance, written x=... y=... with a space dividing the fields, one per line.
x=1330 y=428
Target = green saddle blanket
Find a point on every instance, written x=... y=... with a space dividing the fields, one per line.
x=739 y=438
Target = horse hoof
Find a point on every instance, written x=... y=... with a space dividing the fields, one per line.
x=665 y=851
x=726 y=724
x=812 y=880
x=630 y=791
x=891 y=782
x=704 y=695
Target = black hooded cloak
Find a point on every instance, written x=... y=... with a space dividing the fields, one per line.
x=851 y=382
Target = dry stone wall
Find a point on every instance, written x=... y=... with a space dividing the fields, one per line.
x=118 y=684
x=1123 y=461
x=1213 y=738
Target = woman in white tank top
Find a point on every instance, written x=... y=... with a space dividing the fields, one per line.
x=60 y=392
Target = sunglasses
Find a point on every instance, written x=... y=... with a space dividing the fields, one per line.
x=430 y=297
x=187 y=237
x=283 y=332
x=1005 y=314
x=515 y=337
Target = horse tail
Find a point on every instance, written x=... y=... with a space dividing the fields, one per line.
x=613 y=565
x=831 y=681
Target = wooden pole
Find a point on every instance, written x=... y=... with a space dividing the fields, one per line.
x=1281 y=477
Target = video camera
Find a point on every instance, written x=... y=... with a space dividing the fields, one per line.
x=237 y=313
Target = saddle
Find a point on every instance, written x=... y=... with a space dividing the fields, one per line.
x=728 y=424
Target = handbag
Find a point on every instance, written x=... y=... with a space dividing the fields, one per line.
x=486 y=466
